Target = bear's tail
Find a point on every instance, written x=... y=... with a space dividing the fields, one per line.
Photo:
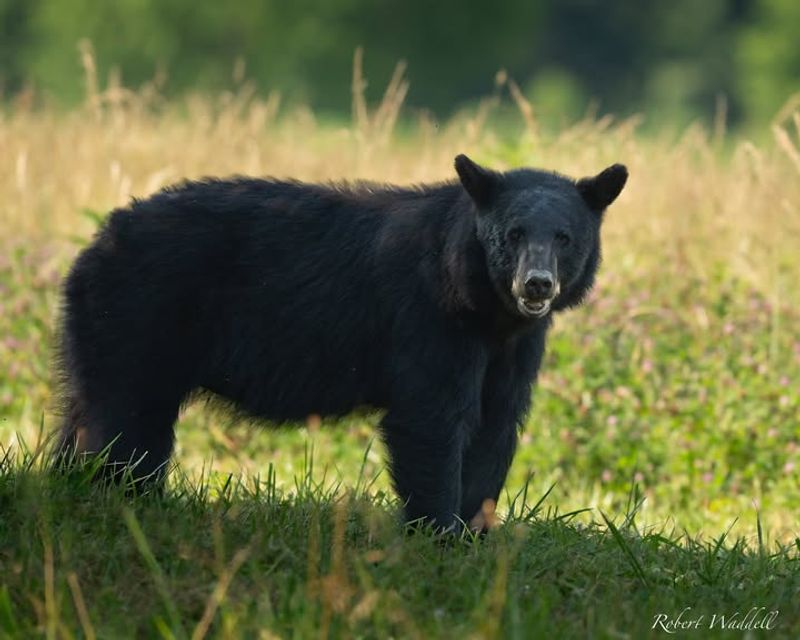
x=72 y=432
x=69 y=440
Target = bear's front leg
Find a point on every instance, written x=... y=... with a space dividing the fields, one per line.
x=505 y=400
x=425 y=465
x=434 y=405
x=484 y=470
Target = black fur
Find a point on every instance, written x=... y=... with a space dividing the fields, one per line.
x=291 y=299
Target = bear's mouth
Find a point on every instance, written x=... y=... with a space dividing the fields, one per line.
x=533 y=308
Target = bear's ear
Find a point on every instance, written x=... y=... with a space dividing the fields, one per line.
x=601 y=190
x=479 y=183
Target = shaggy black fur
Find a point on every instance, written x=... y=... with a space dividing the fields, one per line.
x=290 y=299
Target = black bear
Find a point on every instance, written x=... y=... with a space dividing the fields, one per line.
x=288 y=299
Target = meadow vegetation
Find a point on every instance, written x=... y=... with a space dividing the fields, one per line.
x=661 y=459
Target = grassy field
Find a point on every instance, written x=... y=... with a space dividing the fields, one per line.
x=659 y=469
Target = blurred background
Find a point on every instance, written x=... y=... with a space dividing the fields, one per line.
x=676 y=62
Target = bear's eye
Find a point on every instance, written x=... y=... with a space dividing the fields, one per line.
x=515 y=235
x=563 y=239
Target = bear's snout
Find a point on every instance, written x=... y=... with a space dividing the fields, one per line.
x=539 y=285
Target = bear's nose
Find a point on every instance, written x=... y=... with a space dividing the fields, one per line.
x=539 y=284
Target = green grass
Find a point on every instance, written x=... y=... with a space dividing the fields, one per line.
x=231 y=557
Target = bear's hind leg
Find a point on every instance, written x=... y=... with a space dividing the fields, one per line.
x=141 y=438
x=133 y=428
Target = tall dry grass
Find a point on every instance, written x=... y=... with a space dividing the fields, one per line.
x=692 y=203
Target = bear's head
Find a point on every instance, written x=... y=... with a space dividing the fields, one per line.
x=540 y=232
